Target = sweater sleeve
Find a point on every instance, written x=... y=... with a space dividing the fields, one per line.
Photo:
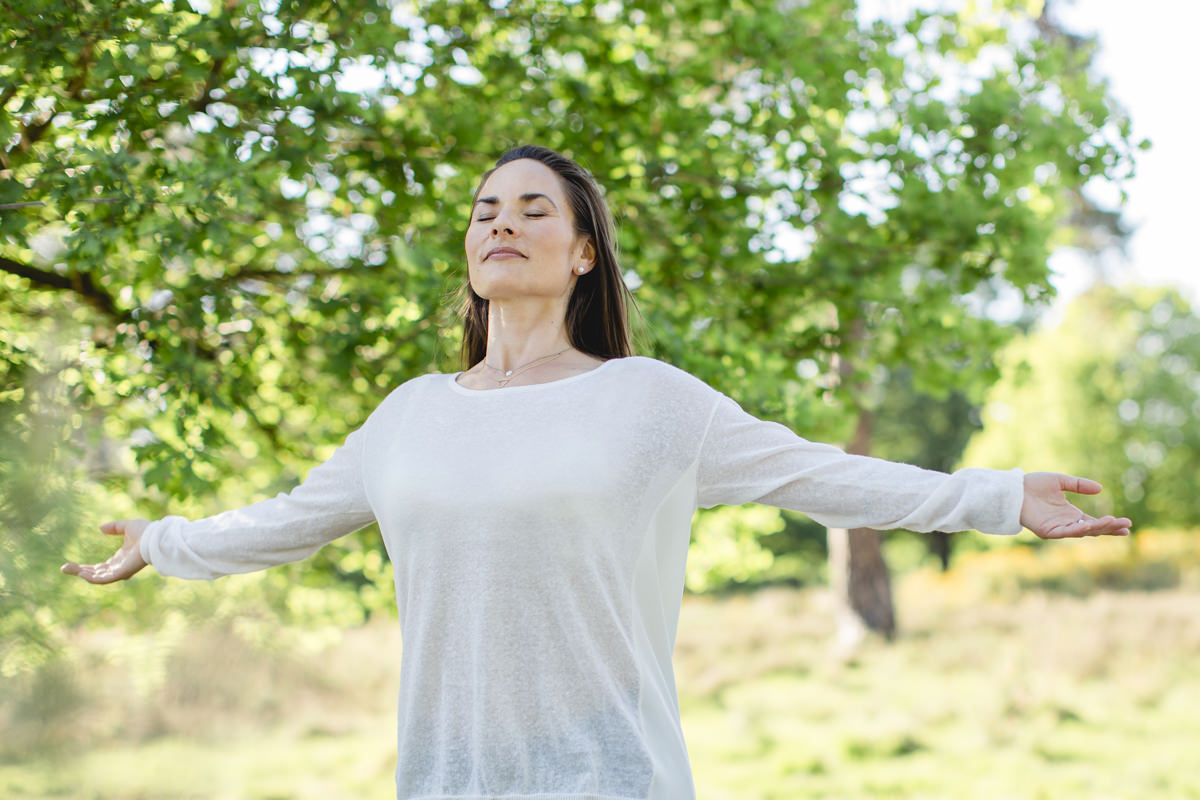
x=744 y=459
x=331 y=502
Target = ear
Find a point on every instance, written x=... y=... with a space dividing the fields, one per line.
x=587 y=257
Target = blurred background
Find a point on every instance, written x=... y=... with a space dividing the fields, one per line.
x=950 y=234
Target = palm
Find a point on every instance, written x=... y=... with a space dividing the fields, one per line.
x=1047 y=512
x=122 y=564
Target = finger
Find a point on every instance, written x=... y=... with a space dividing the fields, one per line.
x=114 y=527
x=1118 y=527
x=92 y=573
x=1078 y=485
x=105 y=575
x=69 y=568
x=98 y=573
x=1105 y=526
x=1081 y=526
x=1110 y=523
x=83 y=571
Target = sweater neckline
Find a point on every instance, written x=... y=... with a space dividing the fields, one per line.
x=459 y=388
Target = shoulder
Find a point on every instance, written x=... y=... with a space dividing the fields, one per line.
x=662 y=368
x=416 y=384
x=406 y=393
x=666 y=376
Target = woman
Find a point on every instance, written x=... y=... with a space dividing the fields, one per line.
x=537 y=511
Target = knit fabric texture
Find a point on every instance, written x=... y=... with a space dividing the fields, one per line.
x=539 y=536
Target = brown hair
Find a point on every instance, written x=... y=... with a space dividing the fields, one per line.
x=598 y=309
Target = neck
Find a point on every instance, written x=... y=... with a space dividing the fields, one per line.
x=520 y=332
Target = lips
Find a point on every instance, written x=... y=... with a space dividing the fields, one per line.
x=503 y=251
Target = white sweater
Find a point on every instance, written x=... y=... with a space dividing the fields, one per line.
x=539 y=536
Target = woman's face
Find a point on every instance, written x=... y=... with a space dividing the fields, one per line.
x=521 y=242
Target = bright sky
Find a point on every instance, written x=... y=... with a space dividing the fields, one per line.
x=1148 y=51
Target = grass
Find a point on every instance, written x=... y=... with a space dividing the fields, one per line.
x=1047 y=697
x=995 y=689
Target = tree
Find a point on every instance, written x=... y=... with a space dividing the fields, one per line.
x=1108 y=391
x=857 y=566
x=247 y=254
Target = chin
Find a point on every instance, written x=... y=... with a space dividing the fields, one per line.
x=502 y=290
x=494 y=290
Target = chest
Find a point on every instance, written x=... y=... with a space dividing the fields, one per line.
x=560 y=463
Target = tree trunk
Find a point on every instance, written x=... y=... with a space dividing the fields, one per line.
x=939 y=545
x=858 y=574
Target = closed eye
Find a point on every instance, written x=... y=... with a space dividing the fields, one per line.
x=531 y=215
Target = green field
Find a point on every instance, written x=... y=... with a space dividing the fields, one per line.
x=988 y=693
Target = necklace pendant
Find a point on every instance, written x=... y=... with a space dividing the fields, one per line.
x=508 y=372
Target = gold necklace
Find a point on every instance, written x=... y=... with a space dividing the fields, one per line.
x=514 y=372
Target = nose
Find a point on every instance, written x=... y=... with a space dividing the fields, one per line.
x=502 y=223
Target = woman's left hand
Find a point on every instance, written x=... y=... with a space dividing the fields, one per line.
x=1049 y=515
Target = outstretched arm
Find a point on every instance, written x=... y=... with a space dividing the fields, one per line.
x=331 y=502
x=745 y=459
x=1047 y=512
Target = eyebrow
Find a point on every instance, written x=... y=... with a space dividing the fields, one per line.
x=524 y=198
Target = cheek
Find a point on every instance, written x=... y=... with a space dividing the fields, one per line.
x=471 y=244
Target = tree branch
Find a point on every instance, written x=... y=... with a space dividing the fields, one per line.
x=81 y=283
x=30 y=203
x=271 y=275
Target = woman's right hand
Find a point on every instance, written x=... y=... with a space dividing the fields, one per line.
x=124 y=563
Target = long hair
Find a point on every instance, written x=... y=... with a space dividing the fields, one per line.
x=597 y=317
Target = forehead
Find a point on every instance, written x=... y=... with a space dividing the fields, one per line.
x=523 y=176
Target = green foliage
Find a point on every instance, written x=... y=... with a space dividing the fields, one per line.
x=1109 y=393
x=745 y=548
x=37 y=509
x=922 y=429
x=250 y=254
x=929 y=431
x=725 y=547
